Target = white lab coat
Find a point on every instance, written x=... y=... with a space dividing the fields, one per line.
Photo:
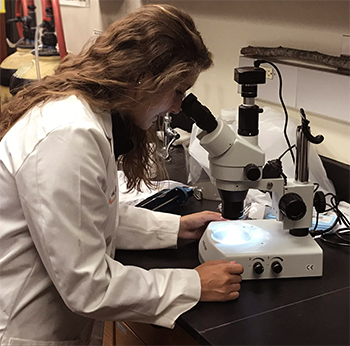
x=59 y=224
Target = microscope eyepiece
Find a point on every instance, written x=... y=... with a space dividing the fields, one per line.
x=200 y=114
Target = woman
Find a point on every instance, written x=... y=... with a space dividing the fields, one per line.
x=60 y=218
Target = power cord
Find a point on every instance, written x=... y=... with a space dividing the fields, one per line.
x=257 y=64
x=329 y=235
x=273 y=168
x=286 y=151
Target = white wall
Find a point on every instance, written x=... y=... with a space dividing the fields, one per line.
x=226 y=27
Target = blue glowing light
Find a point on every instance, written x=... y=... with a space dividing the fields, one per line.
x=237 y=233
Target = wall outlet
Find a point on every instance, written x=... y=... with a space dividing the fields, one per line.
x=269 y=72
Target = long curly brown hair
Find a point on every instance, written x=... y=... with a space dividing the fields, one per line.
x=160 y=39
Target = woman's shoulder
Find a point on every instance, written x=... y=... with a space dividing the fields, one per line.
x=70 y=118
x=69 y=109
x=68 y=112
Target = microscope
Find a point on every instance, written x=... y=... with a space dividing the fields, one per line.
x=273 y=248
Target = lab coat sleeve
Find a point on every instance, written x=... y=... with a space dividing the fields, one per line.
x=145 y=229
x=62 y=187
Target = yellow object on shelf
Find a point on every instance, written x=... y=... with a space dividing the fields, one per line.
x=9 y=66
x=47 y=66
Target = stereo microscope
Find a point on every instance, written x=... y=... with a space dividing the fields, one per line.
x=268 y=248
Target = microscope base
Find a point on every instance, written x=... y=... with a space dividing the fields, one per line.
x=263 y=247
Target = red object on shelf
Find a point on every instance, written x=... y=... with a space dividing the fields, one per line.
x=54 y=4
x=22 y=6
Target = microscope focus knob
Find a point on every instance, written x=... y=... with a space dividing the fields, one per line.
x=276 y=267
x=292 y=206
x=258 y=268
x=252 y=171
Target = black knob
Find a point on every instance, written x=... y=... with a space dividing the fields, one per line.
x=292 y=206
x=258 y=268
x=49 y=39
x=320 y=201
x=252 y=171
x=276 y=267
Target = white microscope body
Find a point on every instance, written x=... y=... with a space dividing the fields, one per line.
x=266 y=248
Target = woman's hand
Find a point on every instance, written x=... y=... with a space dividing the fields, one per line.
x=220 y=280
x=192 y=226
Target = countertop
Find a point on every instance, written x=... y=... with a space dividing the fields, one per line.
x=298 y=311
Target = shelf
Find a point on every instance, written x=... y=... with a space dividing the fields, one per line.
x=317 y=90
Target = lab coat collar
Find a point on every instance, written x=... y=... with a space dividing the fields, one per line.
x=107 y=124
x=122 y=142
x=103 y=118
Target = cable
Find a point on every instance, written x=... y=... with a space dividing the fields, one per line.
x=256 y=64
x=340 y=231
x=329 y=233
x=316 y=223
x=286 y=151
x=342 y=242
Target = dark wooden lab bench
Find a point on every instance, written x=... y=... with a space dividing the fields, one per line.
x=298 y=311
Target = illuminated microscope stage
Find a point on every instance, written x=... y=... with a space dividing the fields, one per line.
x=263 y=247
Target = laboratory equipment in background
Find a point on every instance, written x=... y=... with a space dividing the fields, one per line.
x=47 y=58
x=277 y=248
x=26 y=26
x=31 y=62
x=169 y=137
